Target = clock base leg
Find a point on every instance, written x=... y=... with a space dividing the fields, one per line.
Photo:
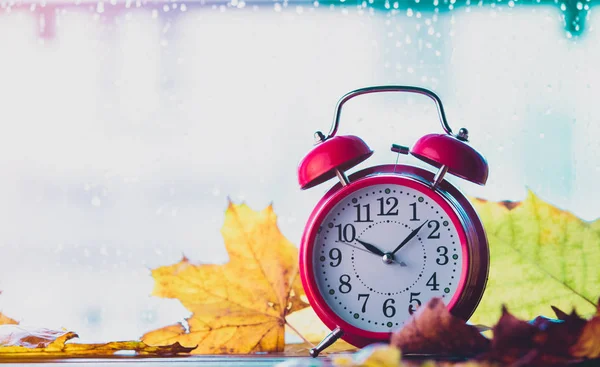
x=325 y=343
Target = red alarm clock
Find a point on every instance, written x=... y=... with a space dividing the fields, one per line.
x=386 y=239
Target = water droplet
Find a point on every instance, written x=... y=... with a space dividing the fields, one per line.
x=183 y=7
x=563 y=7
x=511 y=4
x=277 y=7
x=96 y=201
x=579 y=5
x=409 y=12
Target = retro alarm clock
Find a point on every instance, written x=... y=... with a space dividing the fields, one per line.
x=386 y=239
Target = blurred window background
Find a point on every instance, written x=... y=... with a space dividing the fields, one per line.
x=126 y=126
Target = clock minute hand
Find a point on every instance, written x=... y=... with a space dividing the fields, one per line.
x=371 y=248
x=409 y=237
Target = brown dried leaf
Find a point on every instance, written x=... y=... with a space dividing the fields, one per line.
x=543 y=342
x=433 y=330
x=17 y=336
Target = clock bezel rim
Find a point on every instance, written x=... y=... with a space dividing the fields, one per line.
x=448 y=195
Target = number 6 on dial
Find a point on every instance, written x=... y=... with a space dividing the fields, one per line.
x=386 y=239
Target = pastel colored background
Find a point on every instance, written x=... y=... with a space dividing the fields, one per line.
x=124 y=128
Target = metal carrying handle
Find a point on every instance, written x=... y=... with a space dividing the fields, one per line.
x=386 y=88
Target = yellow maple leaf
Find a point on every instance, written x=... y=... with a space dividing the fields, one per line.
x=540 y=256
x=17 y=342
x=239 y=307
x=5 y=320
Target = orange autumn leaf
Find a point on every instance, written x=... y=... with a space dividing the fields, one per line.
x=20 y=343
x=5 y=320
x=239 y=307
x=588 y=344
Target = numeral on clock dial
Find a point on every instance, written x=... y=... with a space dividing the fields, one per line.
x=390 y=206
x=435 y=234
x=347 y=234
x=364 y=305
x=388 y=309
x=345 y=286
x=367 y=217
x=414 y=212
x=432 y=282
x=336 y=255
x=414 y=302
x=443 y=251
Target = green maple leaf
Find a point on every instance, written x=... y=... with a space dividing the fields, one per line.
x=540 y=256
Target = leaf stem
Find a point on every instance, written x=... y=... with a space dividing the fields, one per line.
x=299 y=334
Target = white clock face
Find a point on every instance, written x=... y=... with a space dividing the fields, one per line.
x=383 y=251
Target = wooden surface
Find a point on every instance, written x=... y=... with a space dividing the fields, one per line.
x=203 y=361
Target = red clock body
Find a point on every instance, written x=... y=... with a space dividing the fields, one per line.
x=387 y=239
x=354 y=287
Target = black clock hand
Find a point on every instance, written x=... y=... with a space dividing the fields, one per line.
x=409 y=237
x=371 y=248
x=402 y=263
x=355 y=247
x=374 y=250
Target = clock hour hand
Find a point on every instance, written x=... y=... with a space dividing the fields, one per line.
x=410 y=236
x=387 y=257
x=370 y=247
